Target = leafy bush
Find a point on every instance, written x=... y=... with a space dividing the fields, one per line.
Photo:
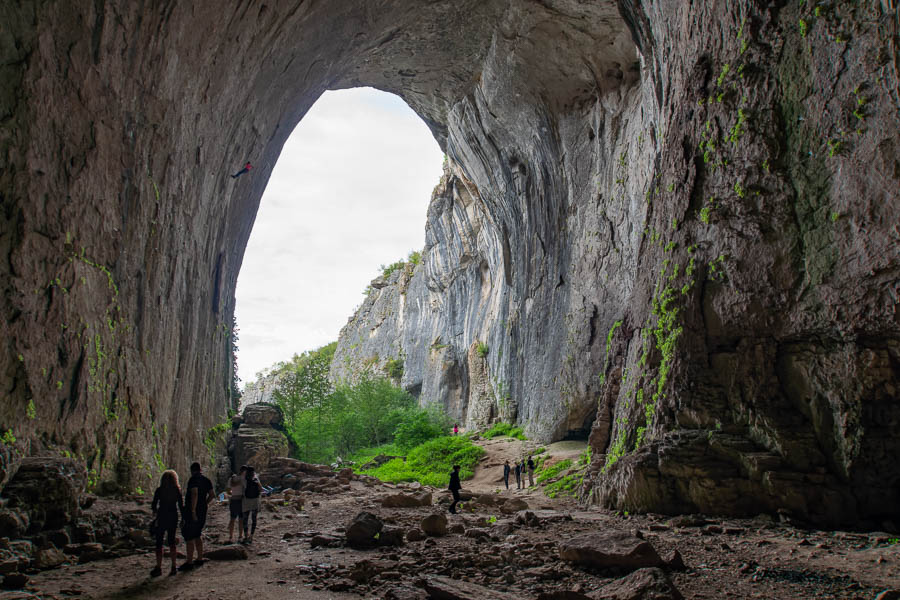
x=419 y=426
x=415 y=257
x=504 y=429
x=482 y=349
x=386 y=270
x=394 y=368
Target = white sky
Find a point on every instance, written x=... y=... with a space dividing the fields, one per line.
x=349 y=192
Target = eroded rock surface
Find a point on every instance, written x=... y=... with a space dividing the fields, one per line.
x=684 y=210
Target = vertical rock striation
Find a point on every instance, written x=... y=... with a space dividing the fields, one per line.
x=676 y=221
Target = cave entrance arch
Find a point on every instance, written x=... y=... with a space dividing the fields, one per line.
x=142 y=231
x=350 y=191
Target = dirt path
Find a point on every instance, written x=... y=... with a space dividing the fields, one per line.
x=488 y=474
x=726 y=558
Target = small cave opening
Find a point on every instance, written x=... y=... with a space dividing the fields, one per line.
x=582 y=433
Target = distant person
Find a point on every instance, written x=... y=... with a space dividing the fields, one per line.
x=456 y=429
x=530 y=472
x=518 y=475
x=246 y=169
x=506 y=474
x=454 y=487
x=235 y=507
x=166 y=506
x=250 y=503
x=524 y=471
x=197 y=496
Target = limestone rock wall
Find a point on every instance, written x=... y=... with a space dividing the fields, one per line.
x=681 y=213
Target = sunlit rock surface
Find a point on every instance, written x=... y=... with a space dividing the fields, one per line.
x=683 y=214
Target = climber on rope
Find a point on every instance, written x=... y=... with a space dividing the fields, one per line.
x=246 y=169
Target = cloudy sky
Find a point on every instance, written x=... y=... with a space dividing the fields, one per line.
x=349 y=193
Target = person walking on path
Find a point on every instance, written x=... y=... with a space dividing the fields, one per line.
x=530 y=472
x=197 y=496
x=166 y=506
x=518 y=475
x=250 y=503
x=246 y=169
x=506 y=474
x=454 y=487
x=235 y=508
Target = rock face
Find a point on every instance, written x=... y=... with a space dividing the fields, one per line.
x=47 y=490
x=258 y=439
x=674 y=221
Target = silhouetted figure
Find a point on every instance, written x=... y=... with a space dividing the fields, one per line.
x=454 y=487
x=197 y=496
x=250 y=503
x=166 y=506
x=518 y=475
x=506 y=474
x=246 y=169
x=530 y=472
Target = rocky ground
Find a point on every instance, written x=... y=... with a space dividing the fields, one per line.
x=495 y=548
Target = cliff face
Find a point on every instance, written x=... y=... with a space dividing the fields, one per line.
x=677 y=220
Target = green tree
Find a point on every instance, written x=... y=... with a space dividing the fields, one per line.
x=304 y=392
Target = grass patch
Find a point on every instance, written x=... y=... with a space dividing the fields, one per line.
x=504 y=429
x=430 y=463
x=553 y=470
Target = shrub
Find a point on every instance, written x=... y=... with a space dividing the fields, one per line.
x=482 y=349
x=394 y=368
x=419 y=426
x=435 y=459
x=386 y=270
x=497 y=430
x=415 y=257
x=504 y=429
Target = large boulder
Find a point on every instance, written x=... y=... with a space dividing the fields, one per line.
x=610 y=549
x=47 y=489
x=263 y=413
x=643 y=584
x=362 y=530
x=48 y=558
x=257 y=445
x=434 y=525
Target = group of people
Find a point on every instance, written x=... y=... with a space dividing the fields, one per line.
x=168 y=506
x=521 y=468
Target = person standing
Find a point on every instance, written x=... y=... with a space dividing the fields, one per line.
x=235 y=507
x=530 y=472
x=250 y=503
x=166 y=506
x=506 y=473
x=197 y=496
x=456 y=429
x=518 y=475
x=454 y=487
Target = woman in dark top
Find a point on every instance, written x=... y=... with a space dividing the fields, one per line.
x=167 y=505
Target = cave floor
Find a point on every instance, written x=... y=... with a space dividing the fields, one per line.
x=725 y=557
